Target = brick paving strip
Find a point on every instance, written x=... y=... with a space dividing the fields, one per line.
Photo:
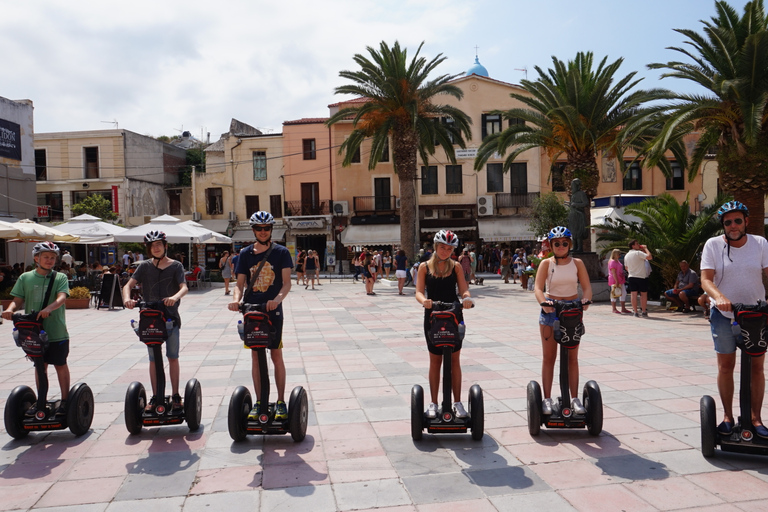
x=358 y=357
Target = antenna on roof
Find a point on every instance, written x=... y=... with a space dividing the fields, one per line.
x=114 y=122
x=524 y=70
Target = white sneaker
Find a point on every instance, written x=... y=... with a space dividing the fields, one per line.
x=432 y=411
x=577 y=407
x=546 y=406
x=458 y=407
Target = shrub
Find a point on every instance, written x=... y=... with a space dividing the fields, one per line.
x=79 y=292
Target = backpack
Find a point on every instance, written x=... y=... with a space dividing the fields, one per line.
x=444 y=329
x=258 y=331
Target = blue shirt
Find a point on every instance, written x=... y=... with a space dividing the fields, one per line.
x=270 y=280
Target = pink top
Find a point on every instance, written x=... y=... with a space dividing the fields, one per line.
x=615 y=264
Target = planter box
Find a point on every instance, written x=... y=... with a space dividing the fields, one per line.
x=78 y=303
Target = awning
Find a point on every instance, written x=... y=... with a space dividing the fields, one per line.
x=246 y=235
x=435 y=230
x=217 y=225
x=372 y=234
x=505 y=229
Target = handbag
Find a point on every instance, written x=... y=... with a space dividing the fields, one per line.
x=615 y=291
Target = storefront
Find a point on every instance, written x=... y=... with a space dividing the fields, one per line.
x=305 y=233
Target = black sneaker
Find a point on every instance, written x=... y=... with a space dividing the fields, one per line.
x=30 y=413
x=62 y=409
x=151 y=405
x=177 y=402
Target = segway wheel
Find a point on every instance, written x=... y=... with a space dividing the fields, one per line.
x=135 y=401
x=20 y=399
x=534 y=408
x=708 y=426
x=80 y=409
x=298 y=413
x=417 y=412
x=476 y=412
x=193 y=404
x=593 y=403
x=237 y=419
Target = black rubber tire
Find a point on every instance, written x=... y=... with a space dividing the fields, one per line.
x=298 y=414
x=193 y=404
x=135 y=401
x=80 y=409
x=593 y=403
x=708 y=426
x=476 y=411
x=20 y=399
x=237 y=418
x=417 y=412
x=533 y=395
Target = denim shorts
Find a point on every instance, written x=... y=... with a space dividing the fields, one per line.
x=722 y=335
x=171 y=345
x=547 y=319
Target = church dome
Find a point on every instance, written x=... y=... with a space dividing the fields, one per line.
x=477 y=69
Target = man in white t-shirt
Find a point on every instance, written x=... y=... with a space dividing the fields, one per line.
x=635 y=263
x=731 y=267
x=67 y=258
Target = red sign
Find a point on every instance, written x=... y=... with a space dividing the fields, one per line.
x=43 y=211
x=115 y=207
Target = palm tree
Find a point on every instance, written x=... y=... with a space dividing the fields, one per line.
x=669 y=229
x=730 y=61
x=400 y=104
x=576 y=110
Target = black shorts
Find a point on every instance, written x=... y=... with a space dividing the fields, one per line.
x=276 y=317
x=637 y=284
x=57 y=353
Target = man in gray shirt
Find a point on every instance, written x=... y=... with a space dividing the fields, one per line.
x=687 y=287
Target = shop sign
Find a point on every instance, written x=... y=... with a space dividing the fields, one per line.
x=307 y=224
x=10 y=140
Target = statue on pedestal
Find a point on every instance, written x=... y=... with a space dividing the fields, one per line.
x=577 y=220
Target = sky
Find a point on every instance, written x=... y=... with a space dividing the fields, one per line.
x=156 y=67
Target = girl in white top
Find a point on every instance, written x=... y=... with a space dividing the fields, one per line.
x=557 y=278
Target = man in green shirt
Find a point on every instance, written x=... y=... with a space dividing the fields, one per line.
x=30 y=290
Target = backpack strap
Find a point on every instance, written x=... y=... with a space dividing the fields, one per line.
x=49 y=290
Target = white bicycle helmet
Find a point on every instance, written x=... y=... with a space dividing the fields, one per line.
x=45 y=247
x=260 y=218
x=154 y=236
x=559 y=232
x=446 y=237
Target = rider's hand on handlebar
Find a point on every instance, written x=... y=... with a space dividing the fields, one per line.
x=7 y=315
x=233 y=306
x=169 y=301
x=427 y=303
x=468 y=303
x=130 y=303
x=723 y=304
x=547 y=309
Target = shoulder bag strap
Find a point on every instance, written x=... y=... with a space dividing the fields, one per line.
x=258 y=270
x=49 y=290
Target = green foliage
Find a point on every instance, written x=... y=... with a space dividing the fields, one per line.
x=79 y=292
x=547 y=211
x=669 y=229
x=96 y=205
x=134 y=247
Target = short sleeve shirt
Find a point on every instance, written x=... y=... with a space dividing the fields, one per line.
x=686 y=278
x=157 y=284
x=270 y=280
x=31 y=287
x=635 y=263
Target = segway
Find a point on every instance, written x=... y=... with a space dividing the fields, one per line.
x=30 y=336
x=445 y=333
x=568 y=330
x=152 y=330
x=256 y=331
x=752 y=339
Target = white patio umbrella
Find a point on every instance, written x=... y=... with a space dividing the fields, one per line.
x=217 y=237
x=176 y=232
x=92 y=230
x=8 y=230
x=29 y=230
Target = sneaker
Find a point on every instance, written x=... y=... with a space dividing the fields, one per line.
x=645 y=314
x=458 y=408
x=577 y=407
x=176 y=402
x=151 y=405
x=546 y=407
x=254 y=414
x=62 y=409
x=636 y=314
x=30 y=413
x=432 y=411
x=281 y=411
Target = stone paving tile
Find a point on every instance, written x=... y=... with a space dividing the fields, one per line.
x=244 y=500
x=372 y=494
x=441 y=488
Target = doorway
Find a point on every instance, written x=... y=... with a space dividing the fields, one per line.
x=314 y=242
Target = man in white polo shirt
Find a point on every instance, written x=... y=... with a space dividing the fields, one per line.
x=634 y=262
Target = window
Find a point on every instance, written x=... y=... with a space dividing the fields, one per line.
x=91 y=157
x=259 y=165
x=516 y=120
x=676 y=181
x=41 y=165
x=251 y=205
x=519 y=175
x=213 y=201
x=449 y=125
x=356 y=156
x=495 y=180
x=382 y=194
x=491 y=124
x=633 y=177
x=385 y=152
x=55 y=206
x=556 y=177
x=308 y=147
x=453 y=180
x=276 y=206
x=428 y=180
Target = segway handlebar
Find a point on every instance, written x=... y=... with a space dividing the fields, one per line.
x=17 y=316
x=445 y=306
x=245 y=307
x=551 y=303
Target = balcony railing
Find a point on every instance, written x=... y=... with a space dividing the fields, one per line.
x=295 y=208
x=375 y=204
x=515 y=200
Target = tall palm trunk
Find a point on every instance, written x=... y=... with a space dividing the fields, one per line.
x=404 y=150
x=745 y=177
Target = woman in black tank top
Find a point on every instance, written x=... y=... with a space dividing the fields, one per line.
x=437 y=280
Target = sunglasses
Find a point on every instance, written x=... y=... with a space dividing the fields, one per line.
x=262 y=228
x=738 y=221
x=560 y=244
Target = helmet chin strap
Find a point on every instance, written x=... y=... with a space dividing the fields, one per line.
x=267 y=243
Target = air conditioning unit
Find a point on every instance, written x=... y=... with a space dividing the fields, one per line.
x=430 y=214
x=233 y=216
x=196 y=216
x=397 y=203
x=341 y=207
x=484 y=205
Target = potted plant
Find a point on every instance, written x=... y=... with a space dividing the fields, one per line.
x=79 y=298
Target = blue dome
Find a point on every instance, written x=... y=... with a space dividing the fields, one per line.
x=477 y=69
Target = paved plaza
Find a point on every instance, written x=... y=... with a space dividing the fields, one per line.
x=358 y=356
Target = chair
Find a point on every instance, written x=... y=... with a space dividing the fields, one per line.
x=193 y=278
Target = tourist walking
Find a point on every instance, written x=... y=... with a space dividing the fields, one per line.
x=225 y=264
x=616 y=280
